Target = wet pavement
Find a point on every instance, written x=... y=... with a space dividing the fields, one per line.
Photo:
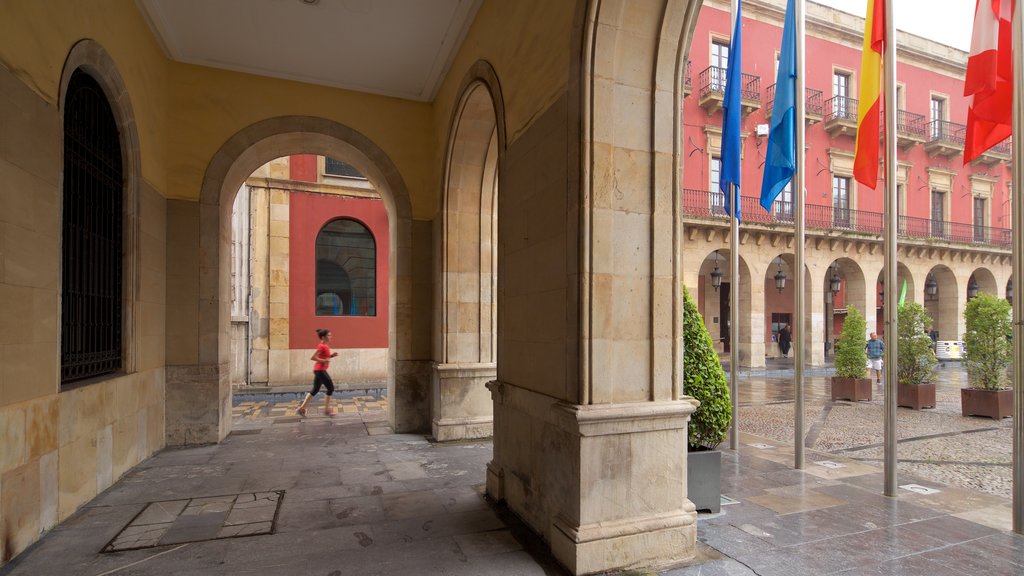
x=344 y=495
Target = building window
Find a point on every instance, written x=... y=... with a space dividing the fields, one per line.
x=841 y=202
x=346 y=270
x=716 y=198
x=334 y=167
x=937 y=117
x=784 y=203
x=938 y=214
x=92 y=235
x=841 y=93
x=979 y=219
x=719 y=63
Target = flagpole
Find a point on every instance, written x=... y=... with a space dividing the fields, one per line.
x=798 y=240
x=734 y=310
x=890 y=227
x=734 y=274
x=1017 y=225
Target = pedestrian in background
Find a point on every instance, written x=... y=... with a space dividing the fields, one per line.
x=875 y=349
x=785 y=339
x=322 y=358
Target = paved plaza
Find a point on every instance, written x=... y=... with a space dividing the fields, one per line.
x=345 y=495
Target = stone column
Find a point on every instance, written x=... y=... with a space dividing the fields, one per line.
x=590 y=420
x=814 y=324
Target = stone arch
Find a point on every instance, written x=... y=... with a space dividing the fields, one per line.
x=466 y=308
x=194 y=391
x=90 y=56
x=902 y=275
x=945 y=307
x=714 y=304
x=853 y=289
x=986 y=282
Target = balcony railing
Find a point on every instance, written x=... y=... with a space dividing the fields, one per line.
x=910 y=127
x=946 y=132
x=712 y=82
x=704 y=204
x=841 y=116
x=841 y=108
x=813 y=105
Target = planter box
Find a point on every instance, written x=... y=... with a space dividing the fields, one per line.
x=704 y=479
x=855 y=389
x=916 y=396
x=997 y=404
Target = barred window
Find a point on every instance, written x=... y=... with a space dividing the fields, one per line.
x=92 y=235
x=346 y=270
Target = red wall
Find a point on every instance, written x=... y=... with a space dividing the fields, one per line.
x=308 y=213
x=761 y=42
x=302 y=167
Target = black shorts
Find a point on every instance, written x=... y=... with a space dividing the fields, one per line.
x=322 y=378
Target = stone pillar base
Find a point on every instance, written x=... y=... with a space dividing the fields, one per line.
x=198 y=408
x=598 y=482
x=631 y=543
x=460 y=403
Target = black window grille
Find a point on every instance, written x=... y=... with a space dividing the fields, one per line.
x=91 y=259
x=334 y=167
x=346 y=270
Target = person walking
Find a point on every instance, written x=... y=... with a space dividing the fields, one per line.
x=322 y=358
x=785 y=339
x=875 y=349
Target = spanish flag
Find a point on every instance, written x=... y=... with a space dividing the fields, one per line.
x=865 y=162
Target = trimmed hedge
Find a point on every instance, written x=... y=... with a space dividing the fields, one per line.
x=851 y=359
x=704 y=379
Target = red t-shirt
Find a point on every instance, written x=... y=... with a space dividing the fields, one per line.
x=322 y=351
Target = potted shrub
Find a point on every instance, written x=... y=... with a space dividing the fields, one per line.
x=850 y=382
x=987 y=355
x=915 y=361
x=704 y=380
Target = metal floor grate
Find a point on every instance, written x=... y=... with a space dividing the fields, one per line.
x=199 y=519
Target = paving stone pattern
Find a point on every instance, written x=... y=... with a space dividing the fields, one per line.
x=198 y=519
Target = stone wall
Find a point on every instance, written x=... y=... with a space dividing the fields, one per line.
x=60 y=448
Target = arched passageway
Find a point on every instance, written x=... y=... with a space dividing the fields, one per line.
x=714 y=304
x=207 y=384
x=845 y=286
x=942 y=298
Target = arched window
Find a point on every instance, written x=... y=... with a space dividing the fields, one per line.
x=92 y=228
x=346 y=270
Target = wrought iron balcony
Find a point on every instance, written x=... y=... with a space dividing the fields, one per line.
x=841 y=116
x=701 y=205
x=813 y=106
x=945 y=138
x=712 y=82
x=999 y=153
x=911 y=128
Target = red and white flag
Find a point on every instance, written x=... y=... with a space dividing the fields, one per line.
x=989 y=82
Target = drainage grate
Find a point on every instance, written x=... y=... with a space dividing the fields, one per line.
x=199 y=519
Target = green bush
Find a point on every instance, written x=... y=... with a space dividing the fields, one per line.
x=988 y=348
x=915 y=362
x=851 y=359
x=704 y=379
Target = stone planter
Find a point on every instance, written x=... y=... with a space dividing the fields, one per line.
x=916 y=396
x=704 y=479
x=855 y=389
x=997 y=404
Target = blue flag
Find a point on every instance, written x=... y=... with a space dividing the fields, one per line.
x=732 y=109
x=780 y=160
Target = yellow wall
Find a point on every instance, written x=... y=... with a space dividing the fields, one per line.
x=35 y=38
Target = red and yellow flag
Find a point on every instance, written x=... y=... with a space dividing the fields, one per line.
x=865 y=162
